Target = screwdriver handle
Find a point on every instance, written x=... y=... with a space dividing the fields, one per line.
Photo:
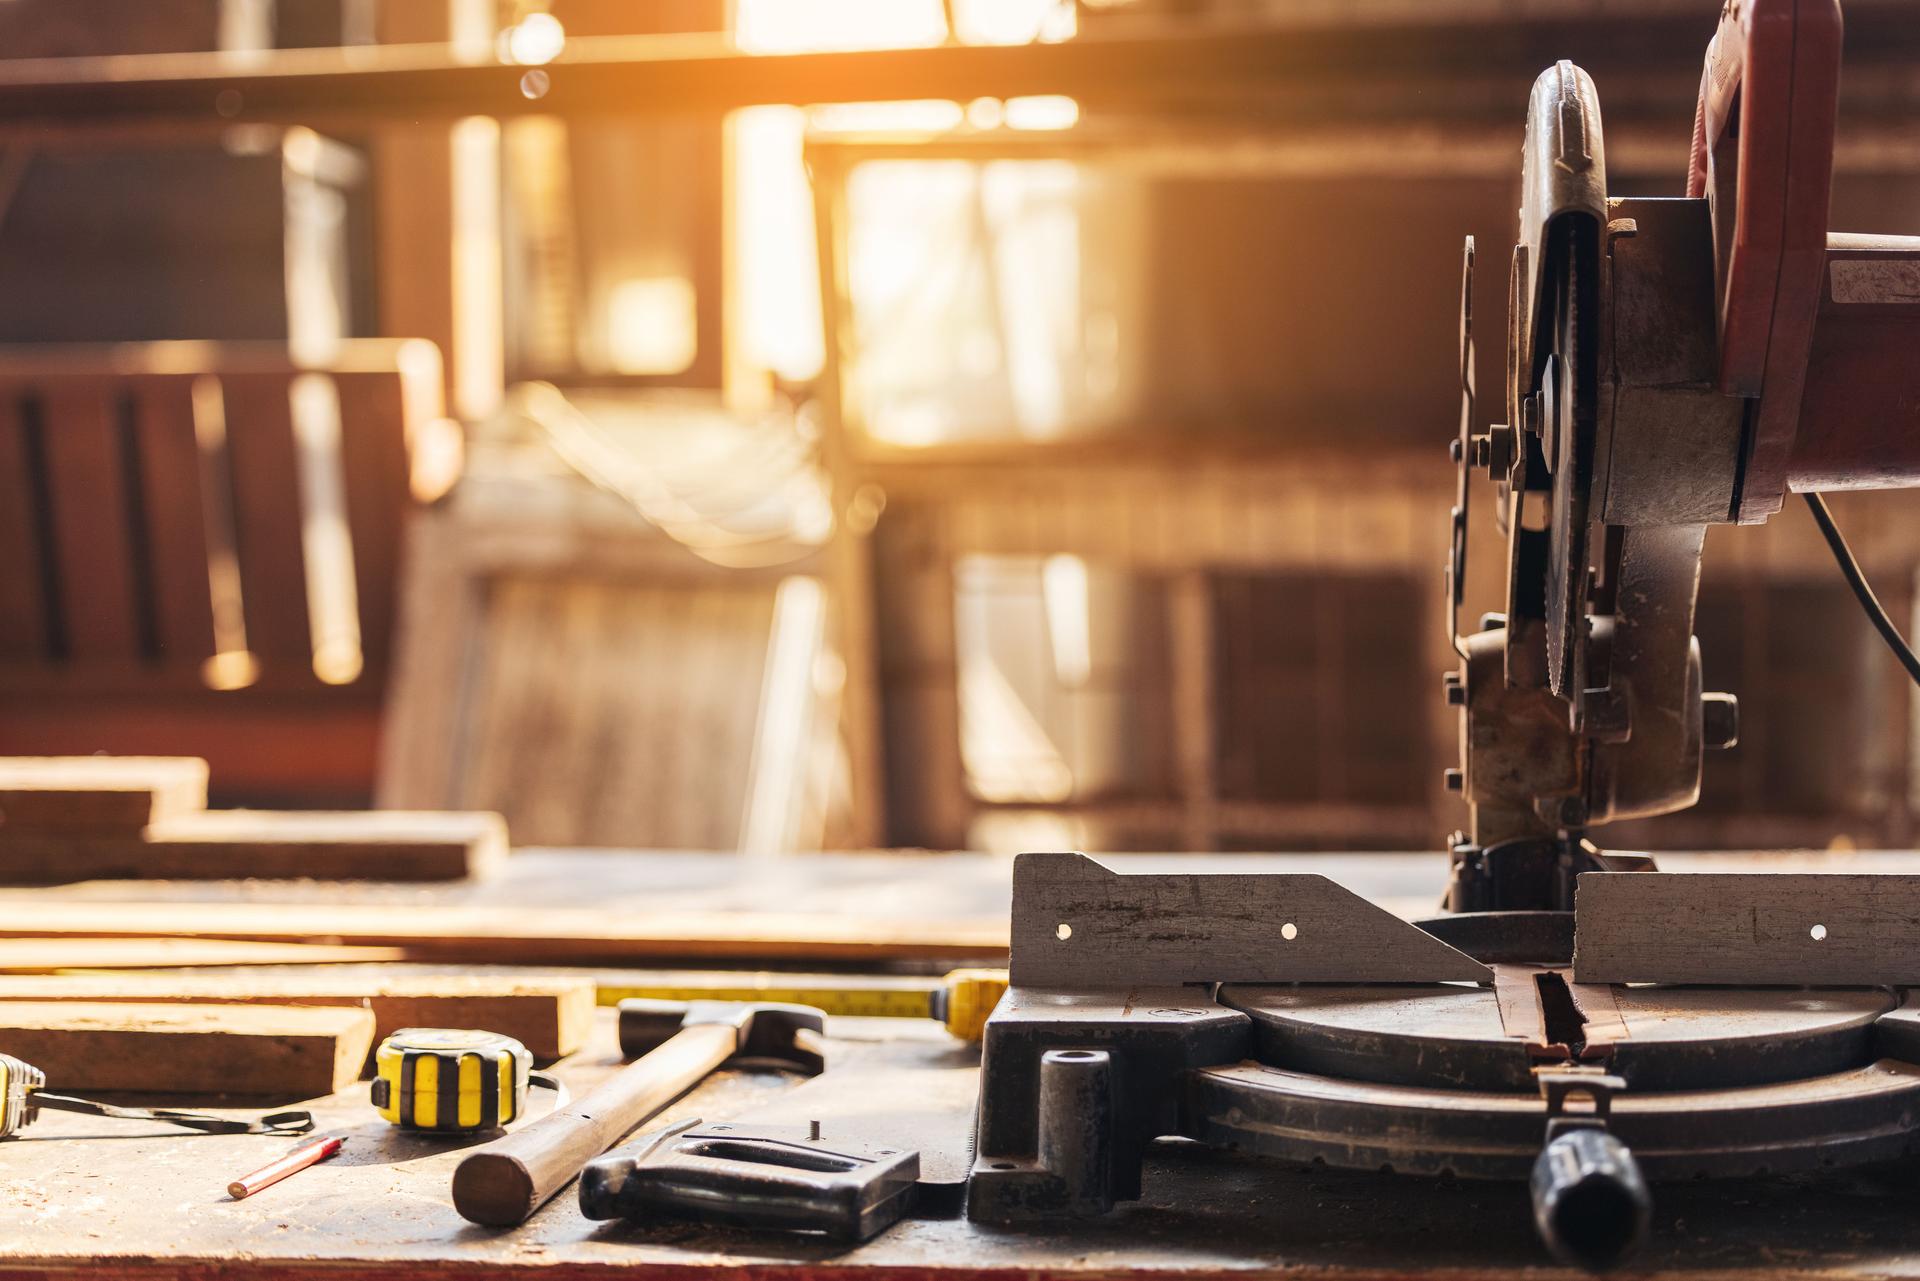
x=503 y=1183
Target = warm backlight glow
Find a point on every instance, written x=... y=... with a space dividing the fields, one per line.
x=775 y=254
x=535 y=39
x=796 y=26
x=651 y=325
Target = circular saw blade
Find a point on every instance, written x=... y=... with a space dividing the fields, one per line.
x=1456 y=568
x=1569 y=424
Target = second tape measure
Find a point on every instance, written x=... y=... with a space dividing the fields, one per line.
x=454 y=1081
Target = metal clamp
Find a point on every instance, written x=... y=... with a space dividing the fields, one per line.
x=761 y=1176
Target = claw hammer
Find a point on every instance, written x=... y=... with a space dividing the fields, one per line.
x=674 y=1045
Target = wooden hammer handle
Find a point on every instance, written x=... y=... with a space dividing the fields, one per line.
x=503 y=1183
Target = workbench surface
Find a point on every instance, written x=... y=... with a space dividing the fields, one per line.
x=85 y=1193
x=129 y=1199
x=893 y=891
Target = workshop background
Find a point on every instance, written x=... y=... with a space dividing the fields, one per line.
x=1003 y=474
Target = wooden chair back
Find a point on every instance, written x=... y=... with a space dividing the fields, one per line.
x=200 y=550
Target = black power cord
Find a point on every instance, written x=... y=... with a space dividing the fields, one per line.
x=1876 y=612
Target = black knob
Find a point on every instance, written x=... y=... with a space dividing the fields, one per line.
x=1590 y=1201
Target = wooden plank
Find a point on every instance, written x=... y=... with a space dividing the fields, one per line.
x=93 y=536
x=171 y=472
x=53 y=955
x=23 y=628
x=326 y=538
x=549 y=1014
x=523 y=935
x=269 y=1051
x=97 y=794
x=1843 y=929
x=26 y=363
x=1078 y=924
x=376 y=845
x=373 y=456
x=267 y=513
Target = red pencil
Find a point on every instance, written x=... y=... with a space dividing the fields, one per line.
x=299 y=1159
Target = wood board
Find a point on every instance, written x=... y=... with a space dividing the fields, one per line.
x=549 y=1014
x=1078 y=924
x=1842 y=929
x=96 y=794
x=521 y=935
x=50 y=955
x=266 y=1051
x=76 y=818
x=379 y=845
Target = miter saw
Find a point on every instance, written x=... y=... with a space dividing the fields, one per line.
x=1671 y=364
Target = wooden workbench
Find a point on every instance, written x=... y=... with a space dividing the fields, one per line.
x=124 y=1199
x=136 y=1201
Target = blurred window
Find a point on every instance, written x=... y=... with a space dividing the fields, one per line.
x=1064 y=676
x=774 y=266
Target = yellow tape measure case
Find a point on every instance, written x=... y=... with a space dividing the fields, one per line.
x=447 y=1080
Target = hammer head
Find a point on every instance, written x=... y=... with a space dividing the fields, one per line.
x=763 y=1030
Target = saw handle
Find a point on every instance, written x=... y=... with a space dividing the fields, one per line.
x=503 y=1183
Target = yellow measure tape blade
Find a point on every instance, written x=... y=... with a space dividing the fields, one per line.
x=962 y=1000
x=877 y=1003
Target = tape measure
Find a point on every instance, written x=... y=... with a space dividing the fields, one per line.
x=965 y=1000
x=23 y=1092
x=961 y=1000
x=454 y=1081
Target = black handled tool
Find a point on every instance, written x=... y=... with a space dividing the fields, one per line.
x=23 y=1095
x=756 y=1176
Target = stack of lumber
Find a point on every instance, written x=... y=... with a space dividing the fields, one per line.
x=266 y=1051
x=496 y=934
x=549 y=1014
x=70 y=818
x=296 y=1033
x=52 y=955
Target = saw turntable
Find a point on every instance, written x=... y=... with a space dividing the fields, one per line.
x=1574 y=1018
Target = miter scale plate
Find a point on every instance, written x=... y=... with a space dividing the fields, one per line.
x=1446 y=1036
x=1435 y=1080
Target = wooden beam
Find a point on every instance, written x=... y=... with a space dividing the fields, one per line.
x=377 y=845
x=119 y=794
x=520 y=935
x=850 y=575
x=550 y=1015
x=1469 y=65
x=268 y=1051
x=51 y=955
